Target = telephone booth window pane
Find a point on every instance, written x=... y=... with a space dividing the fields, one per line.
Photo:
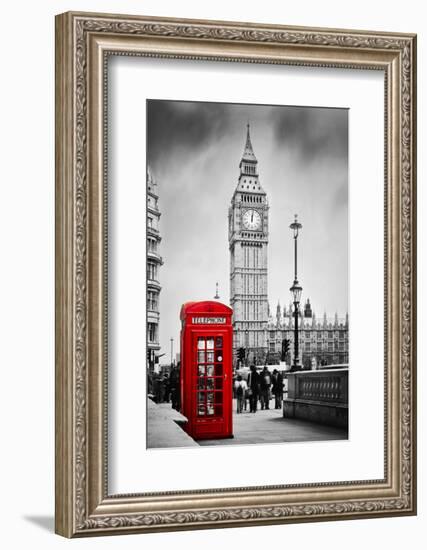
x=210 y=343
x=218 y=410
x=201 y=383
x=210 y=370
x=218 y=370
x=218 y=403
x=201 y=411
x=201 y=370
x=218 y=356
x=201 y=356
x=200 y=343
x=218 y=342
x=210 y=383
x=209 y=356
x=210 y=404
x=218 y=383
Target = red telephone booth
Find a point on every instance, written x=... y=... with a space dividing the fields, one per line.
x=206 y=369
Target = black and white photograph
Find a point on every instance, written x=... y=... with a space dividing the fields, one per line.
x=248 y=325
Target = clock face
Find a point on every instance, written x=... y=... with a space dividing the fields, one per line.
x=252 y=220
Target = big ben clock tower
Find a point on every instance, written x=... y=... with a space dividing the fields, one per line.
x=248 y=241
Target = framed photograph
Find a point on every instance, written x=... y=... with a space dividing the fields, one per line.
x=235 y=274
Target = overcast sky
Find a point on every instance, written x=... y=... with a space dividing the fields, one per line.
x=194 y=150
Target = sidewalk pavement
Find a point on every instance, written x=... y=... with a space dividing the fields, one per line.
x=265 y=426
x=162 y=429
x=269 y=426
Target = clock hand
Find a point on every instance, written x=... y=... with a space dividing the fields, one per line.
x=252 y=217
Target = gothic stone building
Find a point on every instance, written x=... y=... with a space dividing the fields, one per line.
x=248 y=242
x=154 y=261
x=322 y=341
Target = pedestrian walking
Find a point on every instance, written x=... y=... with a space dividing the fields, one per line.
x=150 y=391
x=162 y=388
x=175 y=388
x=157 y=389
x=265 y=384
x=277 y=389
x=246 y=398
x=253 y=389
x=166 y=383
x=240 y=387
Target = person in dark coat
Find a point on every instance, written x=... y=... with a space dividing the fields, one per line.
x=175 y=388
x=277 y=389
x=254 y=388
x=167 y=388
x=265 y=384
x=157 y=390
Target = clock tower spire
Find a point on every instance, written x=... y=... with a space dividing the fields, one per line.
x=248 y=242
x=248 y=164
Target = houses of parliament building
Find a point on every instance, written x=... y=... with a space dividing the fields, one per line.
x=323 y=341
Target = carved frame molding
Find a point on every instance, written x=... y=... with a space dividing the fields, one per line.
x=83 y=44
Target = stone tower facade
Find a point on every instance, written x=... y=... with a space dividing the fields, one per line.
x=248 y=243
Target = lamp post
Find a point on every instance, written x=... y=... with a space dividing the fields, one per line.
x=171 y=351
x=247 y=346
x=296 y=290
x=216 y=297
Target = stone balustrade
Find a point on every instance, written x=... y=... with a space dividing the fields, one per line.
x=319 y=396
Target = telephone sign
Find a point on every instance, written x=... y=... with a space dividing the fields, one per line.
x=208 y=320
x=206 y=369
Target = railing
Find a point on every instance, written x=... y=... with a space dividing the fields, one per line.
x=323 y=386
x=318 y=395
x=330 y=385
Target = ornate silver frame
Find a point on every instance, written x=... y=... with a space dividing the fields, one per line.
x=83 y=506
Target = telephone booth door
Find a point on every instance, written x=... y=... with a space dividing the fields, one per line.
x=206 y=370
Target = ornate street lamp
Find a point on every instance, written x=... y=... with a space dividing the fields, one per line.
x=296 y=290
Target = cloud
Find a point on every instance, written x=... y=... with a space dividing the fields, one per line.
x=194 y=150
x=312 y=132
x=179 y=126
